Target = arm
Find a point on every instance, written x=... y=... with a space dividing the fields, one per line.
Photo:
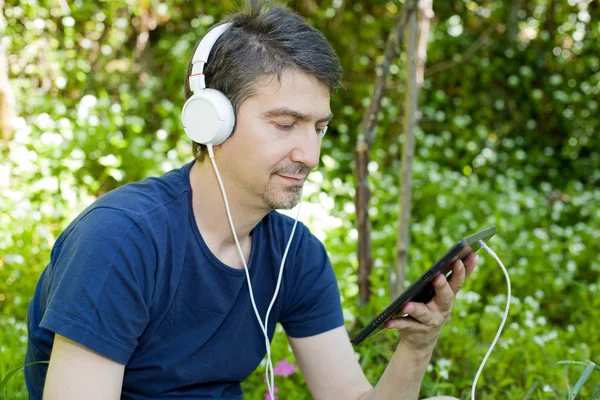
x=96 y=295
x=398 y=381
x=329 y=366
x=76 y=372
x=332 y=372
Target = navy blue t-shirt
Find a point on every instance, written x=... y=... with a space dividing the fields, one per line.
x=132 y=279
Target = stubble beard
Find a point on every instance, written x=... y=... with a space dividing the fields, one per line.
x=281 y=199
x=288 y=196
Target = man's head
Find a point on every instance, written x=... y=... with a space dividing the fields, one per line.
x=265 y=39
x=271 y=53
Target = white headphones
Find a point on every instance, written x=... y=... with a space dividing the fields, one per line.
x=208 y=117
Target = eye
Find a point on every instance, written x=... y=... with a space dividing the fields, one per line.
x=322 y=131
x=285 y=127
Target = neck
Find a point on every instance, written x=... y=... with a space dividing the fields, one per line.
x=209 y=209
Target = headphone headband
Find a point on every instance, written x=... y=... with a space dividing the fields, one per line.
x=201 y=56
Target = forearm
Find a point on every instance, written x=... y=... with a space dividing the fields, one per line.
x=403 y=376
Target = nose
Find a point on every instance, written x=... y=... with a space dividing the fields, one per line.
x=307 y=148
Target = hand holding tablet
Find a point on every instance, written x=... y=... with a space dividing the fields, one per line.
x=422 y=290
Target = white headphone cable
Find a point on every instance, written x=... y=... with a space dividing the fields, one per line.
x=270 y=378
x=491 y=252
x=269 y=362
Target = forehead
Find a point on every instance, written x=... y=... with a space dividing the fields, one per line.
x=294 y=90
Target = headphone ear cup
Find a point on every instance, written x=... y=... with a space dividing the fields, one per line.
x=208 y=117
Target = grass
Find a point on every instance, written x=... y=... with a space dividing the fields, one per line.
x=12 y=383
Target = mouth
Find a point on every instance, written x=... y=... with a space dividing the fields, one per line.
x=293 y=179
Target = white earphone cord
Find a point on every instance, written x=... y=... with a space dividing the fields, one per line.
x=269 y=374
x=270 y=378
x=491 y=252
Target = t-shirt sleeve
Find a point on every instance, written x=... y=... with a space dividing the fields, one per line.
x=99 y=285
x=312 y=305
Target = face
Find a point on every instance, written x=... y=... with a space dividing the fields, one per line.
x=277 y=139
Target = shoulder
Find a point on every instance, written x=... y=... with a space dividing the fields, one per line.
x=102 y=229
x=147 y=196
x=135 y=211
x=107 y=248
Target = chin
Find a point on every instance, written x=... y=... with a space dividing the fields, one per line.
x=285 y=198
x=284 y=202
x=288 y=206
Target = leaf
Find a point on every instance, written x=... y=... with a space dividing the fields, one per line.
x=7 y=377
x=366 y=358
x=568 y=362
x=584 y=377
x=506 y=381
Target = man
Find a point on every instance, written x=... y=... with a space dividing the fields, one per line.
x=145 y=294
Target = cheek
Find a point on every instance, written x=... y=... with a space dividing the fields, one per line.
x=248 y=159
x=256 y=149
x=262 y=151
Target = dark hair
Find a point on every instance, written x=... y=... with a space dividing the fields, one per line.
x=265 y=38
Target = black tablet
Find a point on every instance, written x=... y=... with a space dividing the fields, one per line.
x=422 y=290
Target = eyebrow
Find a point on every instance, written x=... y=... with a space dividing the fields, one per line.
x=288 y=112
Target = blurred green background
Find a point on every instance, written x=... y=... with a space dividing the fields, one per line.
x=508 y=135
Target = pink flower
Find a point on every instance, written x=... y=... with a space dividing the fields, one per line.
x=283 y=368
x=268 y=396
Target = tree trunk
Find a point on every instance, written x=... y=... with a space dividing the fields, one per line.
x=512 y=21
x=549 y=22
x=418 y=33
x=425 y=16
x=7 y=98
x=362 y=156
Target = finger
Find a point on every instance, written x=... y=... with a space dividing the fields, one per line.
x=421 y=313
x=470 y=263
x=457 y=279
x=404 y=324
x=443 y=293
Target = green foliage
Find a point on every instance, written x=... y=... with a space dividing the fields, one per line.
x=508 y=136
x=7 y=376
x=12 y=355
x=589 y=368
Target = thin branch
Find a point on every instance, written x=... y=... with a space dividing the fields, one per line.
x=7 y=96
x=392 y=45
x=411 y=104
x=363 y=146
x=448 y=64
x=64 y=6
